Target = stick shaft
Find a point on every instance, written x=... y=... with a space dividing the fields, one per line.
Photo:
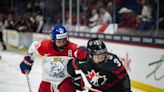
x=28 y=82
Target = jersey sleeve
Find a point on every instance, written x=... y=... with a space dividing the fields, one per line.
x=126 y=86
x=122 y=74
x=70 y=68
x=32 y=51
x=119 y=69
x=77 y=79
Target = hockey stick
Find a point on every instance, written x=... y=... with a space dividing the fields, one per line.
x=87 y=85
x=159 y=61
x=28 y=81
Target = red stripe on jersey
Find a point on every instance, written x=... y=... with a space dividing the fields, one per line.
x=74 y=64
x=122 y=75
x=118 y=71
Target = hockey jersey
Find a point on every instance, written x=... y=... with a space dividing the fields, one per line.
x=110 y=76
x=54 y=63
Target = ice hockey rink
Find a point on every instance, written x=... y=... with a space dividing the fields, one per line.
x=11 y=79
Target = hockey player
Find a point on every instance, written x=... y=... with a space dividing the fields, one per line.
x=56 y=52
x=103 y=70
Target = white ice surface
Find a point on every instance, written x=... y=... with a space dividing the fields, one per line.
x=11 y=78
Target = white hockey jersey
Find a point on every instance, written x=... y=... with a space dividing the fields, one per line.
x=54 y=63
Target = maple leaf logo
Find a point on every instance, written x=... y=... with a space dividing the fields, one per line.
x=95 y=78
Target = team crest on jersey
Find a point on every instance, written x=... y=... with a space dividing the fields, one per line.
x=96 y=79
x=57 y=69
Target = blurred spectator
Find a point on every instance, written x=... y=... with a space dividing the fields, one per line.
x=22 y=23
x=105 y=16
x=29 y=8
x=146 y=15
x=42 y=8
x=83 y=19
x=8 y=22
x=127 y=18
x=1 y=34
x=40 y=23
x=109 y=7
x=93 y=21
x=133 y=5
x=99 y=4
x=37 y=8
x=74 y=18
x=33 y=23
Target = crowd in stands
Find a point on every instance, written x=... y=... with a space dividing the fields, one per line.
x=138 y=14
x=31 y=20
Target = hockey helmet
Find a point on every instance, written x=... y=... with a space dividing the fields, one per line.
x=58 y=32
x=96 y=46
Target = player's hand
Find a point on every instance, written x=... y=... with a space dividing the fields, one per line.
x=26 y=64
x=82 y=53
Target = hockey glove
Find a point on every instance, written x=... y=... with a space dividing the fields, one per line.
x=82 y=53
x=26 y=64
x=78 y=83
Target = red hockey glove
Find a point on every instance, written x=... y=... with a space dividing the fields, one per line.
x=82 y=53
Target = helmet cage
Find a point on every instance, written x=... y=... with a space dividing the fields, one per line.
x=100 y=51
